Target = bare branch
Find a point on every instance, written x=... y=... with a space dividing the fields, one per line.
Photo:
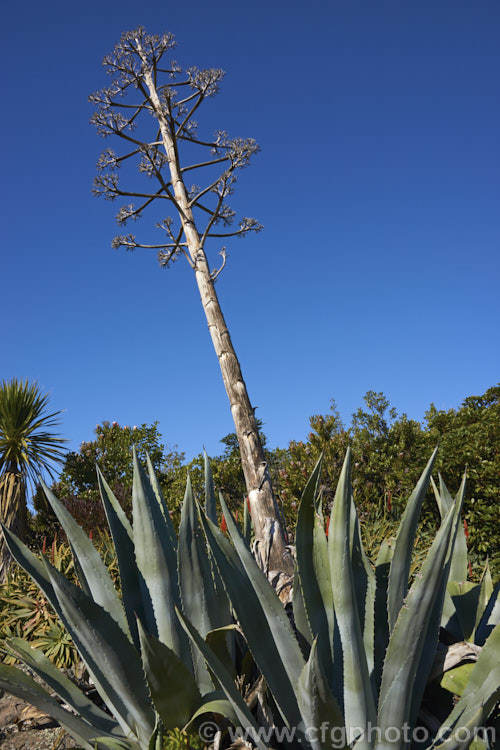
x=213 y=218
x=246 y=225
x=165 y=259
x=129 y=242
x=107 y=186
x=124 y=240
x=109 y=160
x=152 y=162
x=195 y=198
x=196 y=141
x=185 y=123
x=206 y=81
x=188 y=98
x=216 y=272
x=204 y=164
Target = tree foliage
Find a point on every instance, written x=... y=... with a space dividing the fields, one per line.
x=388 y=453
x=28 y=443
x=28 y=447
x=111 y=450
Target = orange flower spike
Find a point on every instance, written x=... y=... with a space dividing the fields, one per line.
x=223 y=525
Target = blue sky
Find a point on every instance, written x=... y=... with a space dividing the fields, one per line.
x=377 y=184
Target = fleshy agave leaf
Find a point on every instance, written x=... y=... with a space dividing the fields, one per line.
x=156 y=739
x=465 y=598
x=454 y=680
x=403 y=546
x=215 y=703
x=201 y=601
x=490 y=618
x=303 y=631
x=245 y=718
x=261 y=614
x=359 y=704
x=161 y=502
x=278 y=623
x=478 y=698
x=365 y=588
x=112 y=661
x=459 y=567
x=134 y=592
x=173 y=688
x=96 y=574
x=18 y=683
x=157 y=562
x=318 y=707
x=313 y=570
x=65 y=689
x=485 y=594
x=221 y=642
x=115 y=743
x=430 y=641
x=411 y=633
x=443 y=497
x=381 y=618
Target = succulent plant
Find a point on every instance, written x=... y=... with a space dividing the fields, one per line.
x=199 y=628
x=135 y=649
x=356 y=661
x=471 y=611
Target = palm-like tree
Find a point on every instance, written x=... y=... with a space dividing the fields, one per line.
x=28 y=447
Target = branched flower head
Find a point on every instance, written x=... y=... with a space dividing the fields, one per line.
x=106 y=185
x=109 y=122
x=225 y=184
x=152 y=160
x=206 y=81
x=166 y=224
x=127 y=241
x=125 y=58
x=225 y=215
x=193 y=191
x=191 y=127
x=220 y=137
x=108 y=160
x=129 y=102
x=127 y=212
x=104 y=97
x=240 y=150
x=249 y=225
x=166 y=258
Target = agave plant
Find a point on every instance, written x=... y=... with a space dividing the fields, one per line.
x=135 y=649
x=470 y=611
x=353 y=668
x=349 y=669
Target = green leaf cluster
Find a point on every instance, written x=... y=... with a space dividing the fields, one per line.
x=386 y=451
x=200 y=629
